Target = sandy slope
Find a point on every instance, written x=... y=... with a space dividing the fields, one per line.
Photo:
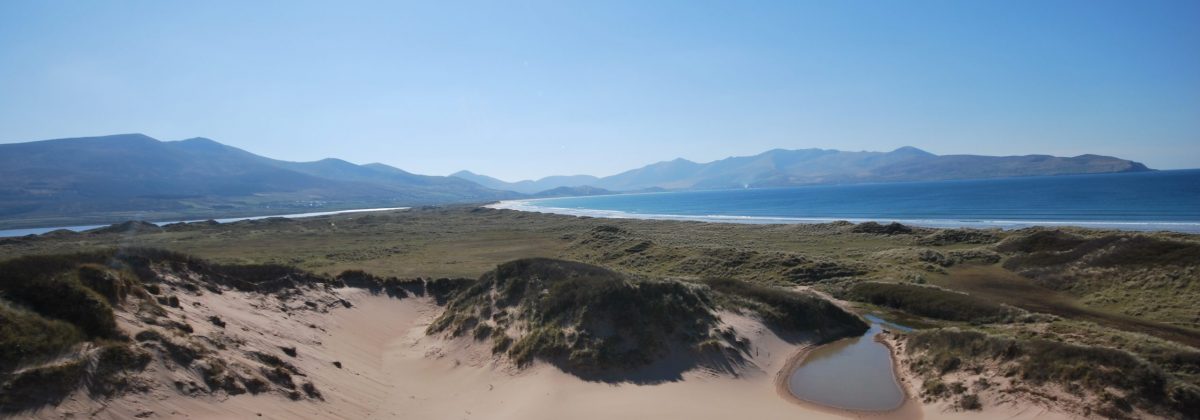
x=391 y=369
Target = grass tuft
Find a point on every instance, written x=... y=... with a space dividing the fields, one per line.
x=932 y=302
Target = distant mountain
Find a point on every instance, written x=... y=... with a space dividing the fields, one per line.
x=776 y=168
x=572 y=192
x=132 y=175
x=97 y=180
x=528 y=187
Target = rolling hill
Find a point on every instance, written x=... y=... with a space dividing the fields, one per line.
x=109 y=178
x=528 y=186
x=94 y=180
x=779 y=167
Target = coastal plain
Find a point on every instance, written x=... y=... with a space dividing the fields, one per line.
x=1038 y=309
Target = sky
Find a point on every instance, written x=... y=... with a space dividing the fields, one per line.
x=517 y=89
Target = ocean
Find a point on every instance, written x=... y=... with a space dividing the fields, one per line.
x=1144 y=201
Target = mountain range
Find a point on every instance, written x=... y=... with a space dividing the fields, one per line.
x=98 y=179
x=780 y=168
x=133 y=176
x=529 y=186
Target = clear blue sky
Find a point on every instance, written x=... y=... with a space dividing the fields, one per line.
x=526 y=89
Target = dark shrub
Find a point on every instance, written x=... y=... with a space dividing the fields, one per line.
x=970 y=402
x=959 y=236
x=64 y=297
x=265 y=278
x=931 y=302
x=1041 y=241
x=878 y=229
x=1146 y=251
x=26 y=336
x=1053 y=248
x=443 y=289
x=792 y=310
x=41 y=385
x=1094 y=368
x=112 y=362
x=113 y=286
x=582 y=316
x=311 y=391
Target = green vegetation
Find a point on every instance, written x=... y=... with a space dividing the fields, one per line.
x=1095 y=369
x=50 y=383
x=1183 y=362
x=790 y=310
x=113 y=362
x=1051 y=248
x=1143 y=251
x=878 y=229
x=26 y=337
x=443 y=289
x=580 y=316
x=393 y=287
x=960 y=236
x=52 y=287
x=41 y=385
x=50 y=305
x=932 y=302
x=614 y=246
x=970 y=402
x=587 y=318
x=1041 y=241
x=1138 y=275
x=1123 y=282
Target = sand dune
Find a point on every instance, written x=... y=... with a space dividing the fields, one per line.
x=391 y=369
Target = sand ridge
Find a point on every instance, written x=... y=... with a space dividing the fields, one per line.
x=391 y=369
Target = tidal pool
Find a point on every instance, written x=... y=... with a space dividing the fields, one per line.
x=853 y=374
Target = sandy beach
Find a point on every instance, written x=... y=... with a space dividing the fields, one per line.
x=391 y=369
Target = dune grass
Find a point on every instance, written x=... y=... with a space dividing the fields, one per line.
x=57 y=295
x=41 y=385
x=932 y=302
x=790 y=310
x=1096 y=369
x=585 y=317
x=26 y=337
x=1148 y=278
x=580 y=316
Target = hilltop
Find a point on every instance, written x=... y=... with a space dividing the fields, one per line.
x=780 y=167
x=528 y=186
x=103 y=179
x=95 y=180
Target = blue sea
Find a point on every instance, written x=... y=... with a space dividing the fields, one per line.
x=1160 y=200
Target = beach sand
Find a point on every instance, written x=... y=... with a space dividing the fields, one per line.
x=391 y=369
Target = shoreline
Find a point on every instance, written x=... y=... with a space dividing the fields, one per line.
x=909 y=409
x=19 y=232
x=526 y=205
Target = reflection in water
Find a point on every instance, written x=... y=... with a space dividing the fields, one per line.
x=854 y=373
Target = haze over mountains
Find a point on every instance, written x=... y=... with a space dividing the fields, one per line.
x=136 y=176
x=529 y=186
x=778 y=168
x=133 y=176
